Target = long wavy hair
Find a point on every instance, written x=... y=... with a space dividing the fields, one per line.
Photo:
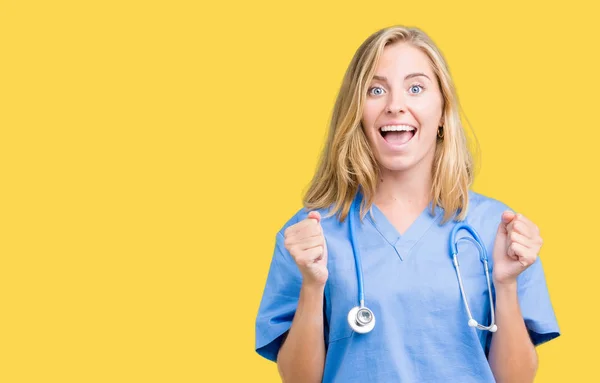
x=348 y=163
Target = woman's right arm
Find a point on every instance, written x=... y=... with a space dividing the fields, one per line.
x=301 y=357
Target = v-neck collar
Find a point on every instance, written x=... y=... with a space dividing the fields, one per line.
x=405 y=242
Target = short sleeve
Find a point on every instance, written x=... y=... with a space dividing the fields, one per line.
x=279 y=301
x=535 y=304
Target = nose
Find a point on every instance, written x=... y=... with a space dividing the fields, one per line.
x=395 y=104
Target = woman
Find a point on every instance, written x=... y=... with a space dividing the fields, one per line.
x=397 y=149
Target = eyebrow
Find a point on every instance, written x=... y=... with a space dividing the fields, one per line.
x=383 y=78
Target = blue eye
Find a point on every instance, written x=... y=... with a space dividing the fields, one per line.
x=376 y=94
x=416 y=86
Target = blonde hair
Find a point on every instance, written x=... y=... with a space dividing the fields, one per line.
x=347 y=162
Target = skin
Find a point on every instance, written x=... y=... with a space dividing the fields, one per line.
x=402 y=195
x=513 y=357
x=301 y=357
x=403 y=97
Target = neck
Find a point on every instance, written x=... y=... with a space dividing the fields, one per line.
x=409 y=190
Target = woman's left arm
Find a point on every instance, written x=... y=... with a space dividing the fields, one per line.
x=512 y=356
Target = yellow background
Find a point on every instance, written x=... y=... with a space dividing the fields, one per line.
x=150 y=150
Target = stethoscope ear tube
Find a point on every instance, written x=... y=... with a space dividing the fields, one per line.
x=453 y=245
x=453 y=248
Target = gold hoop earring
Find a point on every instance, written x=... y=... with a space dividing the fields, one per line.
x=440 y=132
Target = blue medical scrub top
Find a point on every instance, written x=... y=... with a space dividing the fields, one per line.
x=410 y=284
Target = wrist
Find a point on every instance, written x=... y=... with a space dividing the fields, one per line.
x=313 y=287
x=504 y=282
x=505 y=287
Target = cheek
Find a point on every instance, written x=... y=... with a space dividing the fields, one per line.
x=370 y=112
x=428 y=114
x=369 y=135
x=427 y=108
x=369 y=117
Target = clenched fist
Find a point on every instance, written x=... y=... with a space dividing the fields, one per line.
x=306 y=243
x=517 y=245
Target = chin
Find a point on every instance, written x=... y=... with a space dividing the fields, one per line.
x=396 y=164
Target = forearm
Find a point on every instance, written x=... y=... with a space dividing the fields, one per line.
x=301 y=357
x=512 y=357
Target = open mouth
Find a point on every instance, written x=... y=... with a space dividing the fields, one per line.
x=397 y=134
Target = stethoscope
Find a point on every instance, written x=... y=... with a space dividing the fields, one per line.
x=362 y=319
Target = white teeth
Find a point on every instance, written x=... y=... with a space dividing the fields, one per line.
x=397 y=128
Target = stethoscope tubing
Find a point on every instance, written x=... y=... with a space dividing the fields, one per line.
x=357 y=257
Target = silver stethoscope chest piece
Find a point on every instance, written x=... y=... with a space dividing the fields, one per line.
x=361 y=319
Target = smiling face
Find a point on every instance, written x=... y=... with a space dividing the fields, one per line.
x=403 y=109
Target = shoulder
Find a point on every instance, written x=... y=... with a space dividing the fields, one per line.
x=484 y=210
